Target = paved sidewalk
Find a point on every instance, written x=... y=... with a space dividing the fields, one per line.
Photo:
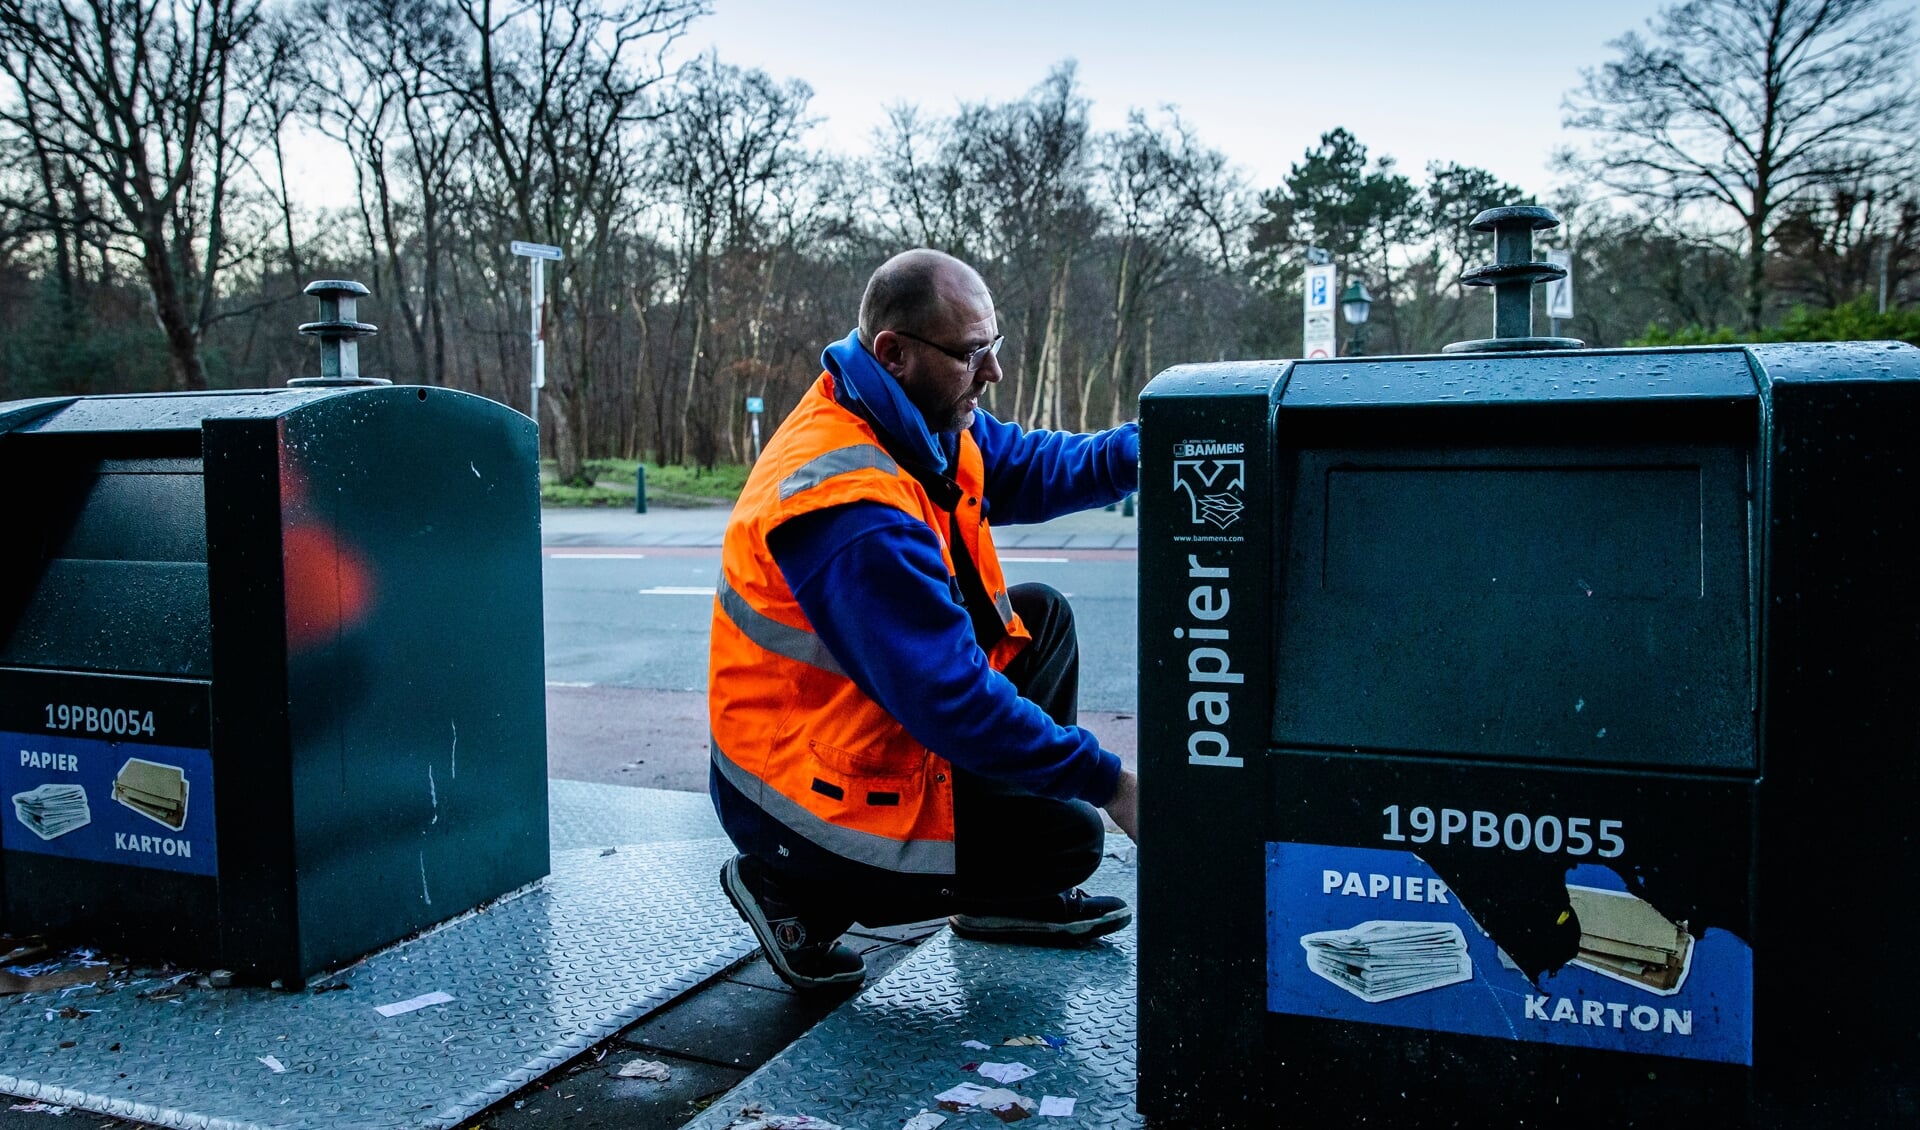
x=704 y=526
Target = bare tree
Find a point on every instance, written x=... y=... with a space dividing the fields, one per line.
x=1170 y=202
x=389 y=87
x=1751 y=105
x=1029 y=164
x=731 y=151
x=559 y=89
x=147 y=100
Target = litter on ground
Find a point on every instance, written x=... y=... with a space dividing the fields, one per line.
x=645 y=1069
x=1006 y=1072
x=412 y=1004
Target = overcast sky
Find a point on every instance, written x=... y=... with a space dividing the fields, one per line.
x=1471 y=81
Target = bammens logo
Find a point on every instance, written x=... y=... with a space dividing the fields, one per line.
x=1213 y=486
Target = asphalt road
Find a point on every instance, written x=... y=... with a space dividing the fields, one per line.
x=626 y=645
x=638 y=617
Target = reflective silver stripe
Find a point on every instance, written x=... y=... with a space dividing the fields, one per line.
x=916 y=857
x=1001 y=602
x=859 y=457
x=796 y=644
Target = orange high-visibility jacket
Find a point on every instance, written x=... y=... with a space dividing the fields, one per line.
x=791 y=731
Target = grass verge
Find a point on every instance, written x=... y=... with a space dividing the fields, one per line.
x=672 y=486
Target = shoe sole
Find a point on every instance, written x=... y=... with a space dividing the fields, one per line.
x=749 y=912
x=987 y=928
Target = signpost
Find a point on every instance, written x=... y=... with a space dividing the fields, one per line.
x=755 y=406
x=1317 y=339
x=537 y=255
x=1560 y=291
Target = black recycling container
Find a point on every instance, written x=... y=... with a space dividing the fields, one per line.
x=271 y=687
x=1531 y=739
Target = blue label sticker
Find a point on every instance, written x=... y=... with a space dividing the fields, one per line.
x=1376 y=936
x=109 y=802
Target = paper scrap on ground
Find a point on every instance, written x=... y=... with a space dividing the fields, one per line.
x=1024 y=1042
x=40 y=1108
x=1005 y=1105
x=961 y=1095
x=754 y=1117
x=412 y=1004
x=925 y=1120
x=273 y=1064
x=11 y=982
x=1006 y=1072
x=646 y=1069
x=1053 y=1106
x=974 y=1044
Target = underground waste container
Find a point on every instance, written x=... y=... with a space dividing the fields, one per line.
x=271 y=689
x=1531 y=738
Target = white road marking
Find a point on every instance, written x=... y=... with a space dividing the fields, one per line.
x=1037 y=560
x=678 y=590
x=559 y=683
x=598 y=556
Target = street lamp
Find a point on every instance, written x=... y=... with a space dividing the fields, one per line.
x=1355 y=305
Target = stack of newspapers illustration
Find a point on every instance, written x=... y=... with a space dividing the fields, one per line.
x=53 y=810
x=1378 y=961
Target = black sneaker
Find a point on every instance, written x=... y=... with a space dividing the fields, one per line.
x=1063 y=920
x=804 y=962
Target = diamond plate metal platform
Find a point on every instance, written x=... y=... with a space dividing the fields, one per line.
x=534 y=980
x=582 y=814
x=882 y=1058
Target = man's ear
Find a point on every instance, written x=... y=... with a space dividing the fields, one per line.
x=890 y=350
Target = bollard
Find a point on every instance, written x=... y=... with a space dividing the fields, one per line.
x=1513 y=275
x=339 y=330
x=1126 y=507
x=640 y=488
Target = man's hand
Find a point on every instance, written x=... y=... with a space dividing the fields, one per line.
x=1125 y=805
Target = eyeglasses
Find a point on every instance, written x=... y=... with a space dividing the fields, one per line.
x=971 y=358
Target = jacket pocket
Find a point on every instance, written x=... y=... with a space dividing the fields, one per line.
x=869 y=781
x=873 y=763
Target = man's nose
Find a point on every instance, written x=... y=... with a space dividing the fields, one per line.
x=989 y=370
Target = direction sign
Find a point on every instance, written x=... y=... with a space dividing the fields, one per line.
x=755 y=404
x=1317 y=340
x=1560 y=291
x=535 y=250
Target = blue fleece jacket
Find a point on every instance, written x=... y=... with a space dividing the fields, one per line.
x=908 y=643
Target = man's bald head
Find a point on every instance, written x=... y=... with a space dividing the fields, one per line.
x=912 y=291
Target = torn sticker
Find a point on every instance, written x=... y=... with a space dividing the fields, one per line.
x=975 y=1045
x=273 y=1064
x=925 y=1120
x=1053 y=1106
x=645 y=1069
x=1006 y=1072
x=413 y=1004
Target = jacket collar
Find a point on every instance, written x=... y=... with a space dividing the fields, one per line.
x=859 y=380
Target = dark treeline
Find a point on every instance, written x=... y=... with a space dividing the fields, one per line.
x=150 y=238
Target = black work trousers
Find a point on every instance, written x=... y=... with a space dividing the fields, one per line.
x=1011 y=847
